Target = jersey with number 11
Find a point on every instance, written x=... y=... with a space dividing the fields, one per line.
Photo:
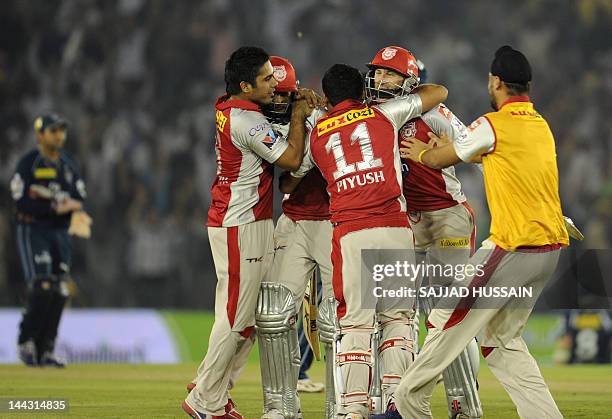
x=356 y=150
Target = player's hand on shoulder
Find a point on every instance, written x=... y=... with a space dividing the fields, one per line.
x=439 y=141
x=412 y=147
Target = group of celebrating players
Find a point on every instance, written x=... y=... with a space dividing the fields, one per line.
x=370 y=166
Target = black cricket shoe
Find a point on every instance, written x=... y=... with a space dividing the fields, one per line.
x=49 y=360
x=27 y=353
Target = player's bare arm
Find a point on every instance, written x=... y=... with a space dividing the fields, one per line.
x=440 y=157
x=288 y=183
x=291 y=159
x=431 y=95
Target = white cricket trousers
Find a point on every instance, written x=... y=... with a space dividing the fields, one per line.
x=242 y=256
x=504 y=349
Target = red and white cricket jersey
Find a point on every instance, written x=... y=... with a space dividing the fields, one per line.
x=356 y=149
x=428 y=189
x=246 y=148
x=310 y=200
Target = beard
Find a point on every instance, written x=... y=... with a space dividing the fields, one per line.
x=493 y=104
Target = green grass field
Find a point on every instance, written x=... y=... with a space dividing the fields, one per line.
x=145 y=391
x=152 y=391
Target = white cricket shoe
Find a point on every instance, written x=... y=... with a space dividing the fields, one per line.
x=308 y=386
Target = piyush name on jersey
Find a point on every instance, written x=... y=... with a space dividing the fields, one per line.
x=360 y=179
x=344 y=119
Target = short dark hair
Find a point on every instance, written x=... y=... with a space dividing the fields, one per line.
x=516 y=89
x=342 y=82
x=243 y=65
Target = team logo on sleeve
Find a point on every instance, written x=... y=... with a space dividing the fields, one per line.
x=280 y=73
x=389 y=53
x=270 y=139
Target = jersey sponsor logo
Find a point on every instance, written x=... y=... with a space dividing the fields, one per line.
x=408 y=130
x=221 y=120
x=388 y=53
x=258 y=128
x=460 y=242
x=360 y=179
x=346 y=118
x=45 y=173
x=17 y=186
x=446 y=113
x=270 y=139
x=455 y=122
x=280 y=72
x=532 y=114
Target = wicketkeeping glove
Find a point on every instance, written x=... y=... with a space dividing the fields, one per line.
x=80 y=224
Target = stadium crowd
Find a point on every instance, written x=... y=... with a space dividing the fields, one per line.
x=137 y=79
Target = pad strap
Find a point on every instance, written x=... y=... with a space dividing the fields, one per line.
x=354 y=357
x=354 y=398
x=401 y=343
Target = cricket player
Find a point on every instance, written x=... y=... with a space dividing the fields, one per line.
x=356 y=149
x=517 y=151
x=440 y=217
x=240 y=227
x=48 y=191
x=302 y=242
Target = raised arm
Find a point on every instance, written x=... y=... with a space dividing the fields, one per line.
x=405 y=108
x=431 y=95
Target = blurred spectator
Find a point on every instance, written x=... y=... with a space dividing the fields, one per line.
x=138 y=79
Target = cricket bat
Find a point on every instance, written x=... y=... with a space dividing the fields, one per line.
x=309 y=316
